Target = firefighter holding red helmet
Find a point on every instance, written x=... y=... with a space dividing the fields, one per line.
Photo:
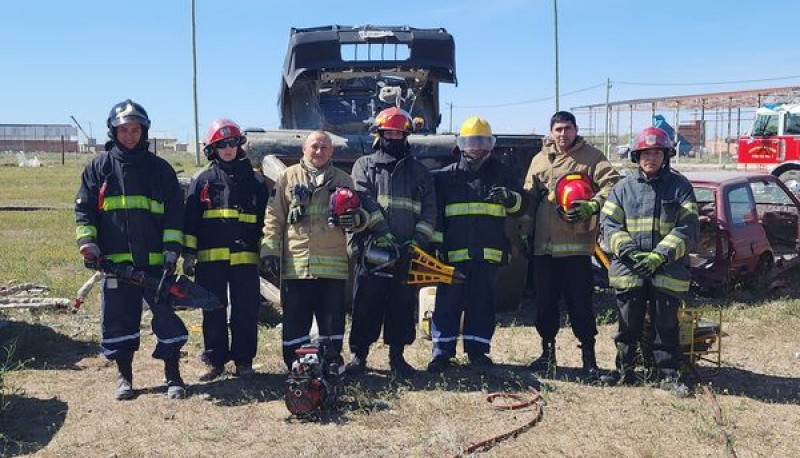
x=567 y=182
x=650 y=223
x=224 y=216
x=305 y=231
x=397 y=191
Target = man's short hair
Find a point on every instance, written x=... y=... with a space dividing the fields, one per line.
x=563 y=117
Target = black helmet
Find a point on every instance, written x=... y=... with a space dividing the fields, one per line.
x=127 y=111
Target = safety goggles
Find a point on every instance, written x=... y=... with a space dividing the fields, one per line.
x=227 y=143
x=475 y=143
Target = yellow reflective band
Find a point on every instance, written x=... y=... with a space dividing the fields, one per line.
x=517 y=202
x=437 y=237
x=133 y=203
x=269 y=243
x=625 y=281
x=153 y=259
x=676 y=243
x=424 y=228
x=671 y=284
x=475 y=208
x=247 y=218
x=81 y=232
x=172 y=235
x=618 y=239
x=224 y=254
x=320 y=210
x=213 y=213
x=244 y=257
x=399 y=203
x=458 y=255
x=492 y=254
x=639 y=224
x=614 y=211
x=190 y=241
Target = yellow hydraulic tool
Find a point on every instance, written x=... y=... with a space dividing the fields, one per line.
x=426 y=269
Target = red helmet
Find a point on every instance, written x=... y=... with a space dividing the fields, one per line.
x=343 y=200
x=571 y=188
x=393 y=119
x=222 y=129
x=651 y=137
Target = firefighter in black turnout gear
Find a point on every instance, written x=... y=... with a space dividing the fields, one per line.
x=224 y=216
x=397 y=192
x=474 y=197
x=129 y=210
x=650 y=222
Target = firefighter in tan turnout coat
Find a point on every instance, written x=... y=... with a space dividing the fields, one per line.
x=563 y=243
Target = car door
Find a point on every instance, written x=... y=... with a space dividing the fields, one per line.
x=747 y=236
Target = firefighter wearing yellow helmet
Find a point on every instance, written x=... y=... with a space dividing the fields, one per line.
x=474 y=196
x=564 y=238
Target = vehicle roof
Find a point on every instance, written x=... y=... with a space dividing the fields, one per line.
x=719 y=177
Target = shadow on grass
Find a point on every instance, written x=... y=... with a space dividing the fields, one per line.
x=235 y=391
x=38 y=347
x=762 y=387
x=29 y=424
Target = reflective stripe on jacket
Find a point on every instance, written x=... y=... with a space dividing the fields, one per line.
x=309 y=248
x=131 y=205
x=225 y=213
x=470 y=226
x=656 y=214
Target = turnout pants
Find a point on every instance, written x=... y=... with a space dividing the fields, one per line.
x=323 y=298
x=569 y=278
x=245 y=298
x=475 y=299
x=380 y=301
x=121 y=309
x=663 y=310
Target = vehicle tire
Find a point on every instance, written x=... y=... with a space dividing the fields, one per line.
x=787 y=172
x=758 y=279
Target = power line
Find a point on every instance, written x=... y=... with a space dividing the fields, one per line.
x=526 y=102
x=639 y=83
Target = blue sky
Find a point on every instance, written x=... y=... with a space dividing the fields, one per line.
x=80 y=57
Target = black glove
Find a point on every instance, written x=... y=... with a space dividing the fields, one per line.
x=503 y=196
x=189 y=262
x=91 y=255
x=170 y=259
x=270 y=265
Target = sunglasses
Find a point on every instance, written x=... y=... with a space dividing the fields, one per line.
x=228 y=143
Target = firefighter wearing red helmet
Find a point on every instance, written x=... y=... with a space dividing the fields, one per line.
x=650 y=223
x=475 y=196
x=564 y=235
x=397 y=192
x=224 y=217
x=129 y=210
x=308 y=248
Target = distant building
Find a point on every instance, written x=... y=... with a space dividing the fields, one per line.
x=39 y=137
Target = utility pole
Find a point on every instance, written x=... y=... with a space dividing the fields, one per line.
x=555 y=28
x=194 y=92
x=608 y=114
x=451 y=116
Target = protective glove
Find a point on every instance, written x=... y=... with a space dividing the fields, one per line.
x=648 y=264
x=189 y=261
x=636 y=256
x=301 y=193
x=581 y=210
x=352 y=220
x=296 y=211
x=170 y=258
x=503 y=196
x=526 y=244
x=386 y=240
x=91 y=255
x=270 y=265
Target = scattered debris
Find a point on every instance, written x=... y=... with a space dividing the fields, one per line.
x=22 y=161
x=29 y=296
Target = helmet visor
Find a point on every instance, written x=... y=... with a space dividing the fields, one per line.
x=475 y=143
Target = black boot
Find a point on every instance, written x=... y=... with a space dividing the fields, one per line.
x=176 y=389
x=591 y=372
x=125 y=378
x=546 y=362
x=398 y=363
x=358 y=364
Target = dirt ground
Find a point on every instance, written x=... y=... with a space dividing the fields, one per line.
x=61 y=403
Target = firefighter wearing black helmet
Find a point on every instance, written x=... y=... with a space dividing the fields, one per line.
x=129 y=210
x=224 y=216
x=650 y=223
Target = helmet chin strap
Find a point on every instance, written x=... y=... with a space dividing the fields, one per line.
x=475 y=161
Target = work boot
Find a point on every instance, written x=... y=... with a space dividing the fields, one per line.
x=439 y=364
x=479 y=360
x=244 y=370
x=357 y=365
x=398 y=364
x=547 y=361
x=671 y=382
x=125 y=378
x=212 y=372
x=176 y=389
x=615 y=377
x=590 y=371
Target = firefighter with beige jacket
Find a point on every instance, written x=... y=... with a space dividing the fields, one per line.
x=310 y=252
x=565 y=234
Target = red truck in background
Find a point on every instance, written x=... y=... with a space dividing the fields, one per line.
x=773 y=143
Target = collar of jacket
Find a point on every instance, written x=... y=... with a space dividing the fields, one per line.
x=385 y=158
x=134 y=156
x=550 y=146
x=658 y=176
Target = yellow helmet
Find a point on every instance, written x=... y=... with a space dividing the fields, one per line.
x=475 y=134
x=475 y=126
